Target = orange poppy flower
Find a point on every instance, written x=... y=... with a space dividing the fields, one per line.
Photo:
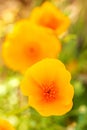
x=47 y=84
x=5 y=125
x=28 y=44
x=49 y=16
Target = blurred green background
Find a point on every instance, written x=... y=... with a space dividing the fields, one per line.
x=13 y=105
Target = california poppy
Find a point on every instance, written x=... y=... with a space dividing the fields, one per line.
x=47 y=84
x=27 y=44
x=48 y=16
x=5 y=125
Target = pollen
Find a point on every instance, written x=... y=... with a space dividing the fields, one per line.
x=49 y=92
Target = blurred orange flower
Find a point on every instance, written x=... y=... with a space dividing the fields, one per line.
x=49 y=16
x=27 y=44
x=47 y=84
x=5 y=125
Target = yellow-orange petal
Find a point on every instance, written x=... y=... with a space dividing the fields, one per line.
x=47 y=84
x=5 y=125
x=27 y=44
x=57 y=109
x=50 y=17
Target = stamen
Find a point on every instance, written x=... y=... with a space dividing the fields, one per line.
x=49 y=92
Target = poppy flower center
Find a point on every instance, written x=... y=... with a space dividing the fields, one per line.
x=2 y=128
x=49 y=20
x=49 y=92
x=32 y=51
